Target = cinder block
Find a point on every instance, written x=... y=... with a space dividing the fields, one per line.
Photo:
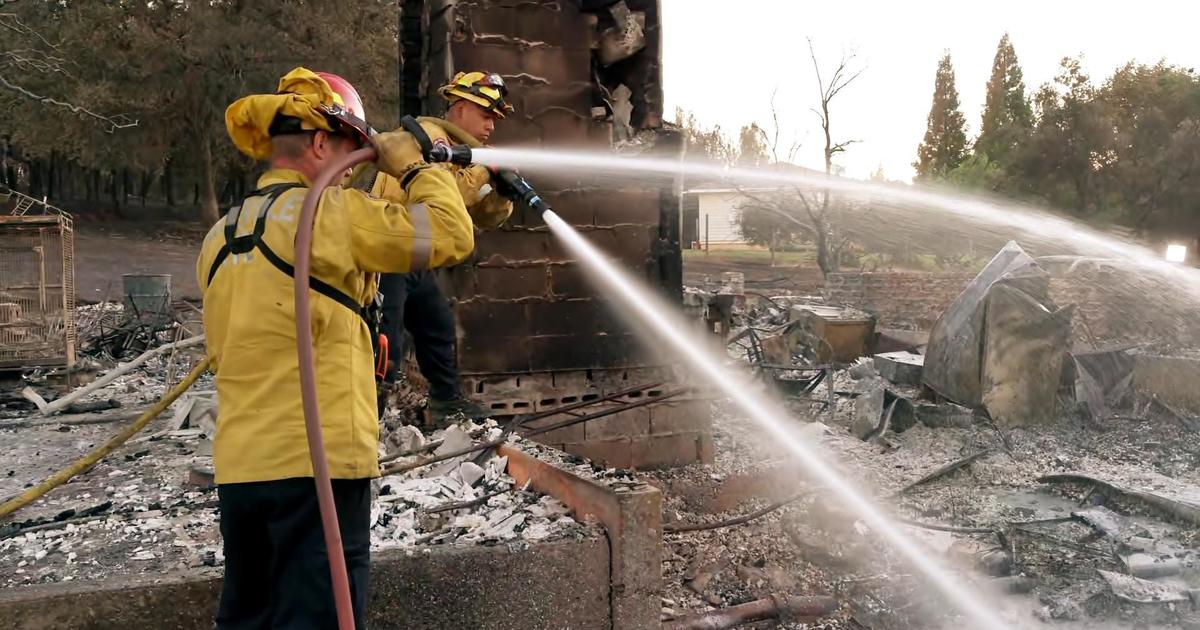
x=580 y=318
x=534 y=100
x=634 y=244
x=523 y=25
x=622 y=350
x=617 y=453
x=572 y=207
x=603 y=239
x=483 y=355
x=560 y=352
x=901 y=368
x=634 y=424
x=570 y=281
x=487 y=318
x=513 y=283
x=628 y=206
x=566 y=435
x=666 y=451
x=461 y=279
x=684 y=416
x=556 y=66
x=508 y=246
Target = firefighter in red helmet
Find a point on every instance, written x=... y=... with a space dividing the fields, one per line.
x=276 y=567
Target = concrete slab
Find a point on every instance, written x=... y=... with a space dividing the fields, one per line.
x=901 y=368
x=561 y=584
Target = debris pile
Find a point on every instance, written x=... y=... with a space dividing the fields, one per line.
x=150 y=507
x=460 y=500
x=1061 y=476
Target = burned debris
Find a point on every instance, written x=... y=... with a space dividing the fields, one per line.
x=1038 y=460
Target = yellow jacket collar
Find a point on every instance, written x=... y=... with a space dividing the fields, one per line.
x=455 y=132
x=282 y=176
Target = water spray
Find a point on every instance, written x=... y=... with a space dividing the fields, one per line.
x=660 y=324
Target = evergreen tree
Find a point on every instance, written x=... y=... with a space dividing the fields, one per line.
x=752 y=146
x=1007 y=116
x=945 y=143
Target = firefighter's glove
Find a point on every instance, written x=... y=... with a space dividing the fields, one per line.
x=509 y=184
x=398 y=153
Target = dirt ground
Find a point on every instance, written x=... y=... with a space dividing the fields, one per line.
x=797 y=276
x=104 y=251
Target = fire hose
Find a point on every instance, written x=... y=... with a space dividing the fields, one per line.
x=304 y=342
x=89 y=460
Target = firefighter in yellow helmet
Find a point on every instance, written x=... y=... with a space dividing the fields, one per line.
x=276 y=568
x=413 y=301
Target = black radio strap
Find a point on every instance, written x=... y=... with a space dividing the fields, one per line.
x=248 y=242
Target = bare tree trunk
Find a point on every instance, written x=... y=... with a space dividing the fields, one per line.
x=208 y=203
x=118 y=194
x=4 y=180
x=148 y=180
x=168 y=183
x=51 y=175
x=774 y=244
x=126 y=186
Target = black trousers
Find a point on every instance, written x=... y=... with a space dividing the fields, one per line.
x=414 y=302
x=276 y=568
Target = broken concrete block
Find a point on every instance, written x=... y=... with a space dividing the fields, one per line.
x=470 y=473
x=453 y=439
x=901 y=368
x=1141 y=591
x=1148 y=567
x=201 y=478
x=868 y=413
x=407 y=438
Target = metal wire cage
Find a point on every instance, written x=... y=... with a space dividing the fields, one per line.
x=37 y=291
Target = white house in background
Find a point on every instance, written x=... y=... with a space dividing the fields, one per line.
x=711 y=216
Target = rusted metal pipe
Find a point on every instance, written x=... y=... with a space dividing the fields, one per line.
x=773 y=607
x=308 y=383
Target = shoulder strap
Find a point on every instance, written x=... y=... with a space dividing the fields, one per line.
x=242 y=244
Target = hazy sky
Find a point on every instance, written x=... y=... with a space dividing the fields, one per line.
x=722 y=59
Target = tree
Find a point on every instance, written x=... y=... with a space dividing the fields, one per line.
x=1060 y=160
x=1007 y=116
x=173 y=65
x=1150 y=166
x=752 y=146
x=704 y=144
x=809 y=213
x=977 y=172
x=945 y=143
x=37 y=55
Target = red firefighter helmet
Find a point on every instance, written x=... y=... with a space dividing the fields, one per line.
x=349 y=112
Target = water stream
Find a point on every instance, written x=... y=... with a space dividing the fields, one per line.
x=661 y=324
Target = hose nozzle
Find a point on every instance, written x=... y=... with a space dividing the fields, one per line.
x=515 y=187
x=459 y=154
